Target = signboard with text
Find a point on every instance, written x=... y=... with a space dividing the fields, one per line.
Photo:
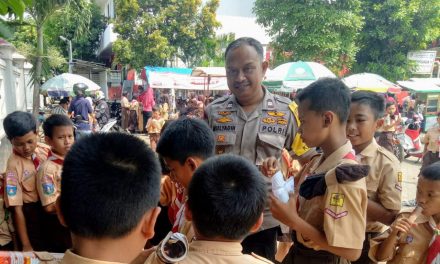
x=424 y=60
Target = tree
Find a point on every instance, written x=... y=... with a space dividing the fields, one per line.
x=11 y=8
x=392 y=29
x=41 y=11
x=215 y=55
x=313 y=30
x=154 y=32
x=85 y=43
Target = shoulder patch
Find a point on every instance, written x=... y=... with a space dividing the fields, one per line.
x=282 y=99
x=260 y=258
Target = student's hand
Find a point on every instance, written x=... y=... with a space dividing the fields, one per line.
x=27 y=248
x=142 y=257
x=312 y=245
x=284 y=212
x=402 y=226
x=270 y=166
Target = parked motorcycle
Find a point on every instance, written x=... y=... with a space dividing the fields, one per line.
x=409 y=138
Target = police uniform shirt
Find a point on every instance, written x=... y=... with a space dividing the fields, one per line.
x=432 y=139
x=215 y=252
x=412 y=248
x=257 y=135
x=49 y=179
x=384 y=181
x=72 y=258
x=20 y=178
x=341 y=212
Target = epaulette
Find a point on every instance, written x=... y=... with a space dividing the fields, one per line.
x=260 y=258
x=220 y=100
x=387 y=154
x=282 y=99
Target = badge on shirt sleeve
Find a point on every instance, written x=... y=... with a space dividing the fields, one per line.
x=335 y=215
x=399 y=176
x=337 y=199
x=47 y=185
x=11 y=184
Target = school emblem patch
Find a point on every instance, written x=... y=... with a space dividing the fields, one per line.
x=11 y=184
x=399 y=176
x=337 y=199
x=48 y=188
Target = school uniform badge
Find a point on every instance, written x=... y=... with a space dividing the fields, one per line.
x=11 y=184
x=48 y=185
x=337 y=199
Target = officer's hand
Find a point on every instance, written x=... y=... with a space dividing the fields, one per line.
x=284 y=212
x=270 y=166
x=142 y=257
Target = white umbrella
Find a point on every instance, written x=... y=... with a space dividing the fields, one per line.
x=369 y=81
x=62 y=85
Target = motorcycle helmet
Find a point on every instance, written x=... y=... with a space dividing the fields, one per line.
x=99 y=95
x=80 y=88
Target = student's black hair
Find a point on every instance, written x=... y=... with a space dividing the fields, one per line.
x=246 y=41
x=388 y=104
x=107 y=189
x=226 y=196
x=18 y=124
x=328 y=94
x=155 y=109
x=432 y=172
x=53 y=121
x=373 y=100
x=64 y=100
x=184 y=138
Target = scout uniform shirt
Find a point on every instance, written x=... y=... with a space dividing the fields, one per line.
x=49 y=179
x=72 y=258
x=201 y=252
x=341 y=211
x=256 y=136
x=432 y=139
x=412 y=248
x=384 y=181
x=20 y=177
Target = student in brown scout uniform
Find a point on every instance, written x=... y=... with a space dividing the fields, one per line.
x=384 y=180
x=330 y=222
x=184 y=145
x=226 y=198
x=414 y=238
x=109 y=199
x=20 y=191
x=59 y=134
x=431 y=140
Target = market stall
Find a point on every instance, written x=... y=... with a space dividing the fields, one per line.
x=427 y=97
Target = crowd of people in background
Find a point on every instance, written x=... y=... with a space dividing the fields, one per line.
x=208 y=175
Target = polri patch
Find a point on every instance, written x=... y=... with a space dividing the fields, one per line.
x=337 y=199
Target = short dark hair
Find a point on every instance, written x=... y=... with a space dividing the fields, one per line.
x=226 y=196
x=388 y=104
x=246 y=41
x=53 y=121
x=374 y=100
x=328 y=94
x=184 y=138
x=64 y=100
x=432 y=172
x=19 y=123
x=107 y=189
x=155 y=109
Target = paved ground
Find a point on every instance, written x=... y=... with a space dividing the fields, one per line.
x=410 y=168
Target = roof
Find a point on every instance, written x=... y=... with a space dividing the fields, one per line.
x=420 y=86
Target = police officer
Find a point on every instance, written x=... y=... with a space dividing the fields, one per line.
x=81 y=108
x=252 y=122
x=102 y=112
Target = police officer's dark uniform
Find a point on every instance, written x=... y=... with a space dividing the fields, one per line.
x=258 y=135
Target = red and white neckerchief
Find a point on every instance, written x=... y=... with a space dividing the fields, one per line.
x=434 y=246
x=177 y=208
x=34 y=158
x=55 y=159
